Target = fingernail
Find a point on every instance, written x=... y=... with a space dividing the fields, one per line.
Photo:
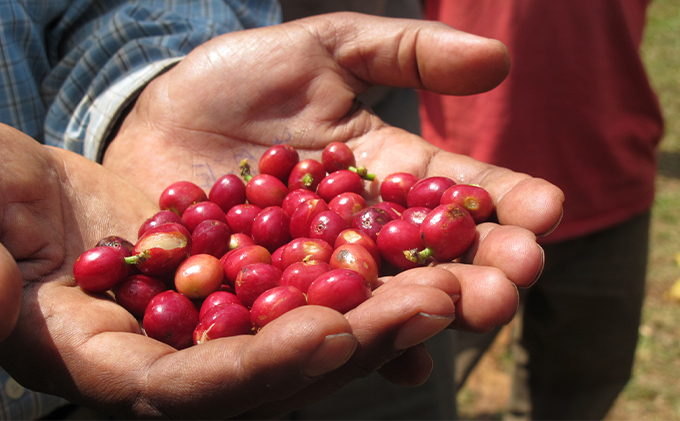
x=420 y=328
x=333 y=352
x=540 y=270
x=554 y=227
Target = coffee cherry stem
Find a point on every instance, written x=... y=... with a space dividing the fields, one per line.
x=307 y=180
x=418 y=256
x=137 y=258
x=363 y=173
x=310 y=240
x=245 y=170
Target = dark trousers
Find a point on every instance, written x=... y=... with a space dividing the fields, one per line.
x=574 y=343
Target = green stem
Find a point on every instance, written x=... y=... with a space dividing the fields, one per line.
x=418 y=256
x=137 y=258
x=307 y=180
x=363 y=173
x=245 y=170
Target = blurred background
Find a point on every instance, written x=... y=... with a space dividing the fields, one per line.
x=654 y=391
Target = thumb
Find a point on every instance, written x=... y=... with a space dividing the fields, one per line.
x=416 y=54
x=10 y=293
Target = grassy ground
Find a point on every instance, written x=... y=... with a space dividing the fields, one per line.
x=653 y=393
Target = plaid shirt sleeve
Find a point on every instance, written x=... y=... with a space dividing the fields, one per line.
x=68 y=67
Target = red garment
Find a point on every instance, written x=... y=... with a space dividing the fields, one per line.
x=577 y=108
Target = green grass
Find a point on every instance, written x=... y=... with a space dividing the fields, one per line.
x=660 y=51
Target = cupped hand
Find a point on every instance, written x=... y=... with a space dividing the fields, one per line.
x=297 y=83
x=231 y=99
x=88 y=349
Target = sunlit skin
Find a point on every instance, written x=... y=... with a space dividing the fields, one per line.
x=305 y=77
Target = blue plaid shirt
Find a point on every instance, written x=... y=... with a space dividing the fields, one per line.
x=68 y=67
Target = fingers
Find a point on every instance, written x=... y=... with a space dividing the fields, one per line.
x=425 y=276
x=412 y=53
x=299 y=358
x=484 y=296
x=10 y=293
x=419 y=312
x=97 y=356
x=531 y=203
x=487 y=299
x=297 y=83
x=230 y=376
x=485 y=292
x=511 y=249
x=398 y=53
x=521 y=200
x=138 y=377
x=412 y=368
x=394 y=320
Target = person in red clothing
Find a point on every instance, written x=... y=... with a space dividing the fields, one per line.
x=576 y=109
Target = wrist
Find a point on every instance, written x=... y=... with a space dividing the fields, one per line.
x=96 y=123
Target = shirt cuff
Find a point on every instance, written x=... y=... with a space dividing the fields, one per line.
x=100 y=115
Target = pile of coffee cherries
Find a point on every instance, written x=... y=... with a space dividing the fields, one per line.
x=298 y=233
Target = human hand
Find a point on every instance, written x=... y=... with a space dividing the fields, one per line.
x=297 y=83
x=88 y=349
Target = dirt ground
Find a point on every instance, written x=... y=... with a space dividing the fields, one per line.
x=486 y=392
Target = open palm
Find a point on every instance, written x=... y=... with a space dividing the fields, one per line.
x=88 y=349
x=231 y=99
x=297 y=83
